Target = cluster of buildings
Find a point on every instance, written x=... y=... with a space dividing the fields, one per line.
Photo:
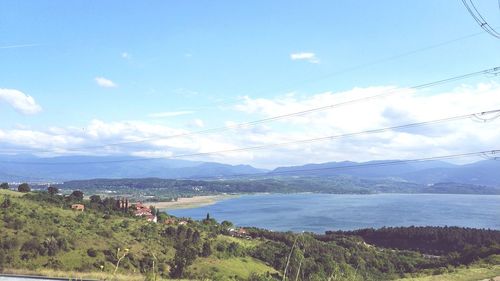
x=141 y=210
x=174 y=221
x=240 y=232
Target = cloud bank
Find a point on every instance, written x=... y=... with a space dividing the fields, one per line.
x=403 y=107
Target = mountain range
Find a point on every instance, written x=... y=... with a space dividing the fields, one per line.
x=31 y=168
x=16 y=168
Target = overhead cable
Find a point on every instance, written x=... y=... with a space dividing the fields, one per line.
x=311 y=140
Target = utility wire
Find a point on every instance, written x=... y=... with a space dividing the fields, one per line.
x=476 y=15
x=487 y=154
x=494 y=70
x=360 y=66
x=396 y=162
x=483 y=115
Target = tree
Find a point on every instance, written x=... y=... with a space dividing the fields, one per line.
x=208 y=217
x=95 y=199
x=76 y=195
x=4 y=185
x=206 y=250
x=226 y=224
x=6 y=203
x=196 y=236
x=51 y=245
x=185 y=254
x=52 y=190
x=91 y=252
x=24 y=187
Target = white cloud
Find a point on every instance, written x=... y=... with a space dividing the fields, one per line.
x=105 y=83
x=310 y=57
x=402 y=107
x=169 y=114
x=19 y=101
x=125 y=55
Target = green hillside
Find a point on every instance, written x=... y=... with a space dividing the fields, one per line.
x=38 y=235
x=480 y=271
x=41 y=234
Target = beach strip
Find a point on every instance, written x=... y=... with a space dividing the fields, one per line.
x=190 y=202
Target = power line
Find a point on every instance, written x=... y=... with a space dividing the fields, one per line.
x=363 y=65
x=494 y=70
x=396 y=162
x=487 y=154
x=476 y=15
x=483 y=115
x=391 y=58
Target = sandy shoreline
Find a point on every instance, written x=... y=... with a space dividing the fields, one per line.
x=191 y=202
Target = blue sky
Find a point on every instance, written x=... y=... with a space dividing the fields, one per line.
x=199 y=59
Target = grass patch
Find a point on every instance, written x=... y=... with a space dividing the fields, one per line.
x=462 y=274
x=234 y=268
x=76 y=275
x=245 y=243
x=11 y=193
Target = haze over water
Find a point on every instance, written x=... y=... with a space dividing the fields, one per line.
x=321 y=212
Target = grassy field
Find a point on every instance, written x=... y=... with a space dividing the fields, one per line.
x=462 y=274
x=233 y=268
x=245 y=243
x=10 y=193
x=72 y=275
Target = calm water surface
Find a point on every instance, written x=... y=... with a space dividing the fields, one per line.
x=320 y=212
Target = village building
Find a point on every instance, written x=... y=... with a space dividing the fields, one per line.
x=78 y=207
x=170 y=221
x=151 y=218
x=144 y=211
x=240 y=232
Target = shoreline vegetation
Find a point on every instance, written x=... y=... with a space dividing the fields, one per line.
x=191 y=202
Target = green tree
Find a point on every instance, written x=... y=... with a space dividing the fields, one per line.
x=52 y=190
x=185 y=254
x=24 y=187
x=206 y=250
x=76 y=195
x=226 y=224
x=51 y=245
x=153 y=210
x=91 y=252
x=4 y=185
x=95 y=199
x=196 y=237
x=6 y=202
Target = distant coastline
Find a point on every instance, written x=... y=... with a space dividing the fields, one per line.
x=191 y=202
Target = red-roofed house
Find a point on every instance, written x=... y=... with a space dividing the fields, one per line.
x=142 y=210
